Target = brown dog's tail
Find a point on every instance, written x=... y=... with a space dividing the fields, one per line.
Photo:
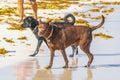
x=99 y=25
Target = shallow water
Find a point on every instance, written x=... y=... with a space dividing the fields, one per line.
x=33 y=69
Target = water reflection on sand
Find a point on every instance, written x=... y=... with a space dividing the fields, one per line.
x=26 y=69
x=31 y=70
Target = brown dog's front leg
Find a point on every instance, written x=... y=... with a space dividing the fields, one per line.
x=65 y=58
x=51 y=59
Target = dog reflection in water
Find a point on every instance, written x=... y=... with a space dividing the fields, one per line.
x=63 y=74
x=31 y=69
x=26 y=69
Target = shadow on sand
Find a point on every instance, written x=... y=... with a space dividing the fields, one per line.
x=105 y=66
x=109 y=54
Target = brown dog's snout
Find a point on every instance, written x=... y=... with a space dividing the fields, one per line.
x=41 y=28
x=40 y=31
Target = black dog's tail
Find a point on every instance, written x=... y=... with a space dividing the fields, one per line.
x=99 y=25
x=72 y=19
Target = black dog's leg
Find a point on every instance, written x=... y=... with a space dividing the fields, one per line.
x=46 y=42
x=38 y=47
x=74 y=50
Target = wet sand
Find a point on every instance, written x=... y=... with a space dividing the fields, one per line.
x=33 y=69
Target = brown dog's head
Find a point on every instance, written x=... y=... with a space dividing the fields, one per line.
x=43 y=29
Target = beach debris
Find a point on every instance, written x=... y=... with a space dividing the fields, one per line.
x=95 y=10
x=1 y=19
x=15 y=26
x=110 y=3
x=8 y=40
x=3 y=51
x=96 y=18
x=8 y=11
x=28 y=44
x=75 y=13
x=42 y=50
x=50 y=4
x=84 y=15
x=22 y=38
x=54 y=20
x=108 y=11
x=101 y=35
x=82 y=21
x=102 y=7
x=22 y=42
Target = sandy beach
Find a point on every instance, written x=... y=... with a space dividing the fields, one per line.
x=18 y=65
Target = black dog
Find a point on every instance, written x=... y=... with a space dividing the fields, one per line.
x=30 y=22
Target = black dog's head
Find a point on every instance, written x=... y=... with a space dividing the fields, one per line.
x=29 y=22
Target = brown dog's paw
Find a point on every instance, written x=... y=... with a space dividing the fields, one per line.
x=66 y=66
x=47 y=67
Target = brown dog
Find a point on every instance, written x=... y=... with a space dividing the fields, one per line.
x=60 y=38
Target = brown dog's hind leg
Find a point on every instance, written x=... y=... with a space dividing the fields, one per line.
x=51 y=59
x=85 y=46
x=65 y=58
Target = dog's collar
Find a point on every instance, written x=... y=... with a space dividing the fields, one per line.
x=35 y=28
x=50 y=34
